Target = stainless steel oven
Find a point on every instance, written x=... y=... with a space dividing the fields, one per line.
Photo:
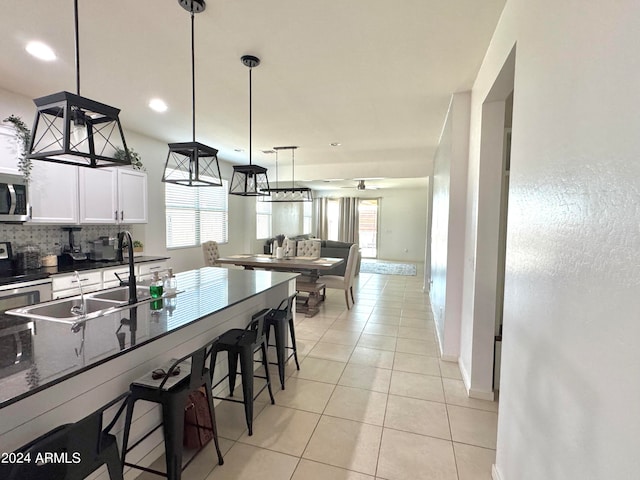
x=16 y=334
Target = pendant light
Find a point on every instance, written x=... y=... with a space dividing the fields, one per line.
x=75 y=130
x=292 y=193
x=249 y=180
x=192 y=164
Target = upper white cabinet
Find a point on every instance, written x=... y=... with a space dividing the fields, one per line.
x=9 y=151
x=132 y=196
x=53 y=193
x=112 y=195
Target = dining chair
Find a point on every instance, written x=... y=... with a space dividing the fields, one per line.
x=211 y=253
x=343 y=282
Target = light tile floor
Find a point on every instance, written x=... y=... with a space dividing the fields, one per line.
x=372 y=400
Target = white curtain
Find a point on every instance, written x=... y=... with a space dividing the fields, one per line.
x=349 y=225
x=322 y=224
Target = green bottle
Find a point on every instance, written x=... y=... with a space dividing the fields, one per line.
x=156 y=286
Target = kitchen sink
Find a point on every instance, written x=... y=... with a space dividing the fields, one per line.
x=68 y=310
x=120 y=295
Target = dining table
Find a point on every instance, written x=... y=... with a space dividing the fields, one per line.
x=309 y=282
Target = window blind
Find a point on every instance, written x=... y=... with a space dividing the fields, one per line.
x=196 y=214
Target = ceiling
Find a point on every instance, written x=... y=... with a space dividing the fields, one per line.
x=375 y=76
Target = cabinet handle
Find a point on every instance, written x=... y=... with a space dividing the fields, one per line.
x=30 y=212
x=116 y=215
x=121 y=215
x=155 y=268
x=82 y=280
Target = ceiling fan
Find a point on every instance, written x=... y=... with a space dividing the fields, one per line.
x=361 y=186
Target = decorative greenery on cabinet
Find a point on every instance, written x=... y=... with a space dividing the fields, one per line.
x=23 y=136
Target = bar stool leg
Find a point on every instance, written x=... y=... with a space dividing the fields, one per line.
x=265 y=363
x=213 y=421
x=173 y=418
x=127 y=427
x=113 y=463
x=280 y=349
x=292 y=332
x=233 y=370
x=246 y=369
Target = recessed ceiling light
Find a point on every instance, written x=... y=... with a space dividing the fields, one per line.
x=335 y=144
x=158 y=105
x=41 y=51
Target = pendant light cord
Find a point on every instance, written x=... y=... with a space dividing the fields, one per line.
x=77 y=38
x=250 y=116
x=193 y=77
x=293 y=168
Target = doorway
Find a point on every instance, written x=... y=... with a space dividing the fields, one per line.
x=368 y=227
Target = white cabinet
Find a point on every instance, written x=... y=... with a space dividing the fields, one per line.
x=98 y=189
x=109 y=278
x=147 y=269
x=9 y=150
x=53 y=193
x=112 y=195
x=66 y=285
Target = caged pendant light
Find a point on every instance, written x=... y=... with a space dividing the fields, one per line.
x=249 y=180
x=292 y=193
x=192 y=164
x=75 y=130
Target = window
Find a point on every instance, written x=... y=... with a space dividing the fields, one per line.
x=263 y=219
x=333 y=219
x=196 y=214
x=306 y=217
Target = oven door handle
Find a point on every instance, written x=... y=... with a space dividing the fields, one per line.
x=12 y=194
x=16 y=337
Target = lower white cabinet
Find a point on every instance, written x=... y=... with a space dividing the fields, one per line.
x=66 y=284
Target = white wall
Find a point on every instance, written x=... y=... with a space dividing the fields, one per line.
x=402 y=217
x=447 y=237
x=570 y=360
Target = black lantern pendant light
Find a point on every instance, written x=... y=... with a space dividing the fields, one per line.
x=74 y=130
x=249 y=180
x=192 y=164
x=292 y=193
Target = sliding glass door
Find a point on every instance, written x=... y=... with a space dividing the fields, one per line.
x=368 y=227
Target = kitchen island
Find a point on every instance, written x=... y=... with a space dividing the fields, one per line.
x=78 y=369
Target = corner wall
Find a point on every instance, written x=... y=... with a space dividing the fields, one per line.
x=570 y=360
x=447 y=232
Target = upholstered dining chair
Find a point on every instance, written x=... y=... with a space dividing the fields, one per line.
x=211 y=253
x=344 y=282
x=308 y=248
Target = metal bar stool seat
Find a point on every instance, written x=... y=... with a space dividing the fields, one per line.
x=170 y=387
x=281 y=318
x=70 y=452
x=244 y=344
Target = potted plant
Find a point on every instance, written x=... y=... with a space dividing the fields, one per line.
x=136 y=160
x=23 y=137
x=138 y=247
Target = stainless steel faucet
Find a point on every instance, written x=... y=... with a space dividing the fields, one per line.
x=79 y=309
x=131 y=283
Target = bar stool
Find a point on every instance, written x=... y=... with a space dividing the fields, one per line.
x=278 y=319
x=170 y=387
x=85 y=446
x=244 y=343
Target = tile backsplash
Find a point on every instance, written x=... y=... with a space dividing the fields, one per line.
x=51 y=238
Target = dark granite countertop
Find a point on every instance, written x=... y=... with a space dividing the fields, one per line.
x=16 y=276
x=60 y=351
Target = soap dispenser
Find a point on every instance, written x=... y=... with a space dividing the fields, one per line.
x=170 y=283
x=155 y=289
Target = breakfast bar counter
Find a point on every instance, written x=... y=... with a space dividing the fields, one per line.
x=78 y=368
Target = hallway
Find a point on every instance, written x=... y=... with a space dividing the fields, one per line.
x=371 y=400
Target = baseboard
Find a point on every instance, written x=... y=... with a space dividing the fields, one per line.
x=448 y=358
x=482 y=395
x=495 y=473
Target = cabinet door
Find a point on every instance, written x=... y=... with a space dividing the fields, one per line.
x=53 y=193
x=9 y=150
x=98 y=195
x=132 y=196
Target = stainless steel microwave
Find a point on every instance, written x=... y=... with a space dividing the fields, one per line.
x=14 y=199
